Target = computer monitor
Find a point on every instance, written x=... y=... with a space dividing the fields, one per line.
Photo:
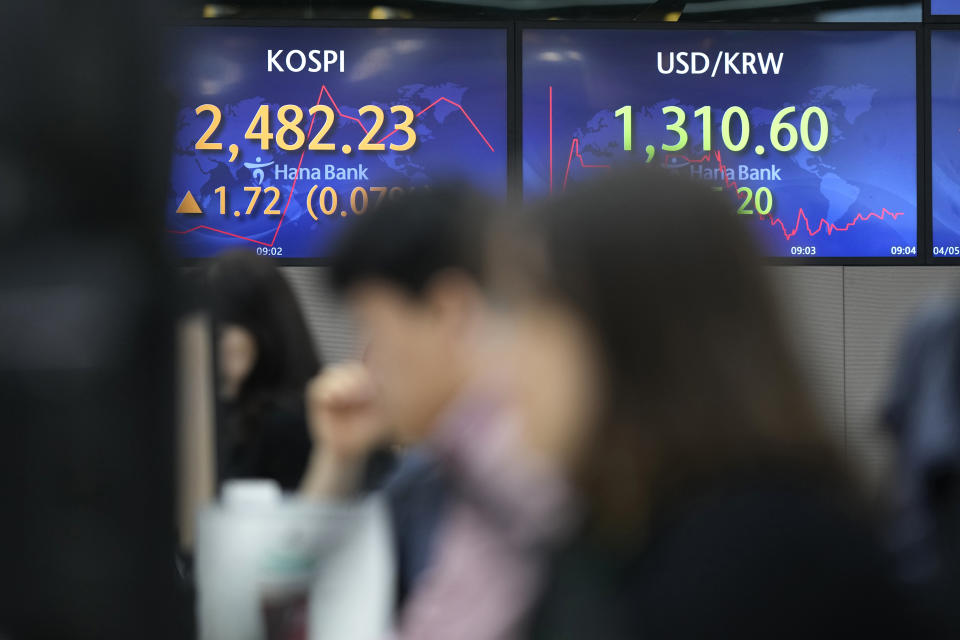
x=284 y=134
x=812 y=132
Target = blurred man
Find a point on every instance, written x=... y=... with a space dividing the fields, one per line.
x=923 y=413
x=411 y=272
x=471 y=506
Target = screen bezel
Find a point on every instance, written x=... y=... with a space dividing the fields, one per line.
x=508 y=27
x=928 y=137
x=941 y=18
x=923 y=216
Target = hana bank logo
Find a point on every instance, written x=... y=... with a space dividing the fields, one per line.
x=258 y=168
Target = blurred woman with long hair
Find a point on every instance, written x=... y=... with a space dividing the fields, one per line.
x=265 y=356
x=652 y=367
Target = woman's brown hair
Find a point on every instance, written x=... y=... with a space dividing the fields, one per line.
x=700 y=379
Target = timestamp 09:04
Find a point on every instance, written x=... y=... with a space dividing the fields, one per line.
x=903 y=250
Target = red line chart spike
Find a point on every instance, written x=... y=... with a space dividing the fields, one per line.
x=323 y=89
x=574 y=147
x=823 y=225
x=293 y=185
x=462 y=110
x=575 y=151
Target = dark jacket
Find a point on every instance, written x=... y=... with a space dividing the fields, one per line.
x=752 y=560
x=417 y=494
x=268 y=439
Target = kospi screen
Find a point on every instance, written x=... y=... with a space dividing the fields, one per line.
x=285 y=134
x=813 y=133
x=945 y=142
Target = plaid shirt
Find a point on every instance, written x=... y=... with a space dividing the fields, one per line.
x=507 y=508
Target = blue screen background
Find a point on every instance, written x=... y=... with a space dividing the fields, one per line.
x=864 y=81
x=945 y=141
x=944 y=7
x=227 y=67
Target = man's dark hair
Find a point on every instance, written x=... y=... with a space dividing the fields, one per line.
x=409 y=240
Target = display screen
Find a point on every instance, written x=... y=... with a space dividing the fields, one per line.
x=284 y=134
x=812 y=133
x=944 y=7
x=945 y=141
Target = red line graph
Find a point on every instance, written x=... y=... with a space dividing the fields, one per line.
x=829 y=227
x=293 y=185
x=462 y=110
x=704 y=158
x=575 y=151
x=574 y=147
x=337 y=109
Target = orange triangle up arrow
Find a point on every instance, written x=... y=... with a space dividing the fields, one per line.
x=189 y=204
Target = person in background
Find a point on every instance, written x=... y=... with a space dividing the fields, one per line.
x=411 y=272
x=652 y=368
x=923 y=414
x=264 y=357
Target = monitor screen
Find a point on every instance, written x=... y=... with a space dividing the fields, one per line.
x=944 y=7
x=284 y=134
x=813 y=133
x=945 y=140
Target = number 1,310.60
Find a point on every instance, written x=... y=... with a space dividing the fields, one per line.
x=784 y=136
